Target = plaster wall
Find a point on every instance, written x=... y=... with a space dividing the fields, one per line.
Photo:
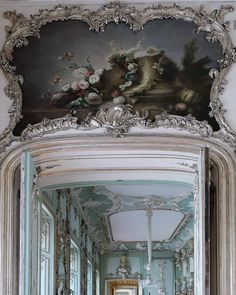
x=136 y=262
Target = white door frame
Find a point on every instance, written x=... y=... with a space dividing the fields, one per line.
x=53 y=153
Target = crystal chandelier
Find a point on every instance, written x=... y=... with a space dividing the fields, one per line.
x=151 y=280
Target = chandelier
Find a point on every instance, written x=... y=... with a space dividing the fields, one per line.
x=151 y=281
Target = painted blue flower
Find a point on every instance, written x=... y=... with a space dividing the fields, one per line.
x=131 y=76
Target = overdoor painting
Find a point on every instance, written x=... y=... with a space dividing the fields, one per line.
x=162 y=68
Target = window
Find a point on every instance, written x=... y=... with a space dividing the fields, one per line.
x=74 y=269
x=89 y=279
x=97 y=283
x=46 y=253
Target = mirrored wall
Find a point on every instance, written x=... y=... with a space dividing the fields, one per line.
x=107 y=244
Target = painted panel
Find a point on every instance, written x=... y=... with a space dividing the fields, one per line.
x=162 y=68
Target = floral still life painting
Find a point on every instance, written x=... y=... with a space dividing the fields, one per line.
x=163 y=68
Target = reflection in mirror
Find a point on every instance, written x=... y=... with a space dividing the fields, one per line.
x=135 y=238
x=154 y=228
x=123 y=287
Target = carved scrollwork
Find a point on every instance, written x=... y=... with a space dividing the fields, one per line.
x=118 y=119
x=5 y=140
x=49 y=126
x=123 y=271
x=228 y=58
x=188 y=123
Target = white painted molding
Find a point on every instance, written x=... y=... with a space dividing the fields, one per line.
x=51 y=149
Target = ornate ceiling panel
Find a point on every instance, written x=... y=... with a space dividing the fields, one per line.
x=131 y=226
x=101 y=206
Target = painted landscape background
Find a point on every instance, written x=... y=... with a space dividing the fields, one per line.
x=73 y=70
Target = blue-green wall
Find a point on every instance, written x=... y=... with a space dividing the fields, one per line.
x=136 y=262
x=71 y=226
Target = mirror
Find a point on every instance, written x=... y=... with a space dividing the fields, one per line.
x=123 y=287
x=118 y=213
x=133 y=236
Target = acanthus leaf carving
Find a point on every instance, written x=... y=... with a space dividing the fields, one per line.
x=49 y=126
x=6 y=140
x=117 y=119
x=228 y=58
x=212 y=23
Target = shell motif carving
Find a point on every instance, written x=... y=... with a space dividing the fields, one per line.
x=117 y=119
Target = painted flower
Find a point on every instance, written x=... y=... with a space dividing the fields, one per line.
x=65 y=87
x=132 y=67
x=180 y=106
x=131 y=76
x=75 y=85
x=115 y=93
x=80 y=72
x=119 y=99
x=99 y=72
x=93 y=98
x=82 y=92
x=66 y=56
x=89 y=73
x=55 y=79
x=56 y=97
x=75 y=103
x=94 y=78
x=83 y=84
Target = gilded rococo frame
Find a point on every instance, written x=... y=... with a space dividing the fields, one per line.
x=118 y=119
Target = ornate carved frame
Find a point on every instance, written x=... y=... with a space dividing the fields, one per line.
x=118 y=119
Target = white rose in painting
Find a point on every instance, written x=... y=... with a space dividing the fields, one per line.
x=99 y=72
x=119 y=99
x=94 y=78
x=57 y=96
x=132 y=67
x=93 y=98
x=65 y=87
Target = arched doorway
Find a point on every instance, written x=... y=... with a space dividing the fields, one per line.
x=85 y=157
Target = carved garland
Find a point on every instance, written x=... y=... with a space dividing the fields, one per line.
x=117 y=119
